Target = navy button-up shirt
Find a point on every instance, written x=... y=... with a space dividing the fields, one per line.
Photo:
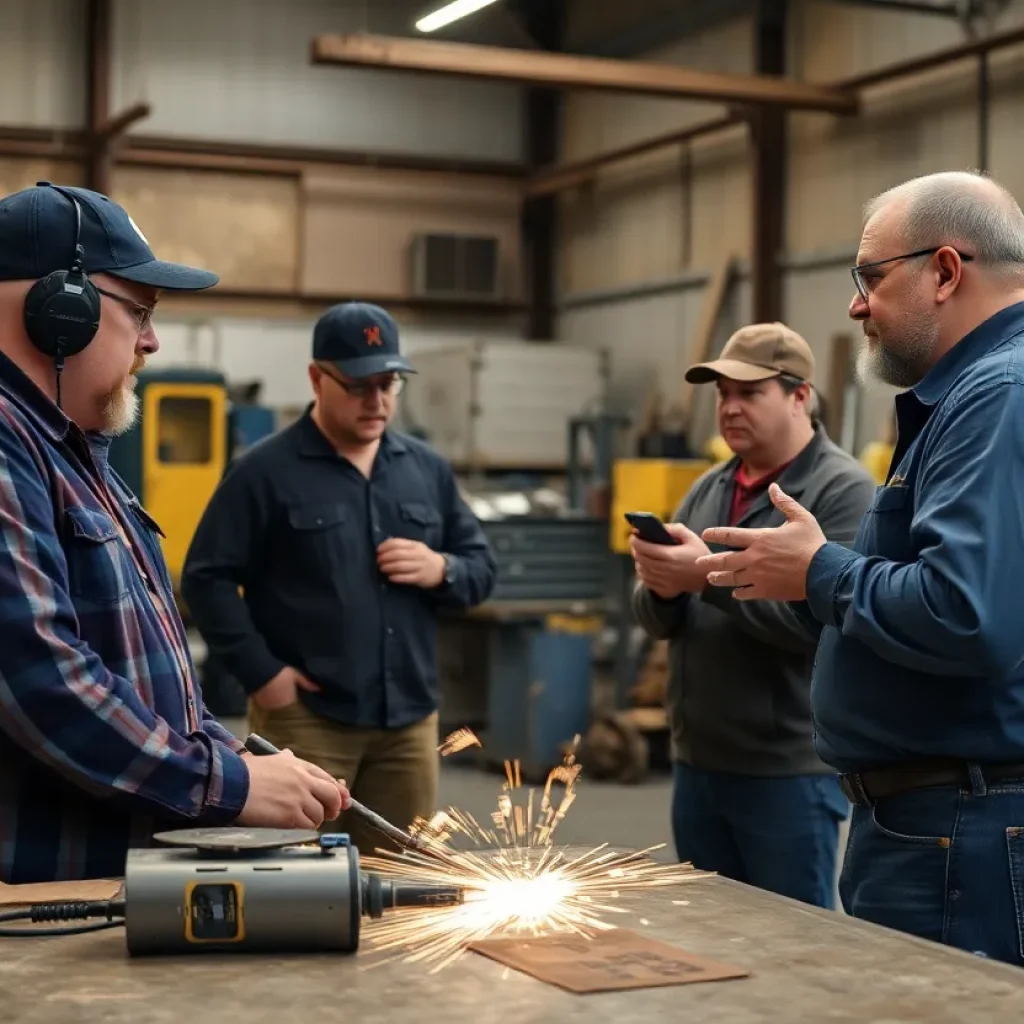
x=103 y=734
x=295 y=528
x=923 y=650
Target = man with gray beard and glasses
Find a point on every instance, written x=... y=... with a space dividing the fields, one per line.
x=918 y=686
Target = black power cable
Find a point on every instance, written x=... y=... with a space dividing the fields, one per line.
x=112 y=910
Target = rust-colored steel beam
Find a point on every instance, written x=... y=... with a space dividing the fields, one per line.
x=565 y=71
x=203 y=155
x=930 y=61
x=569 y=175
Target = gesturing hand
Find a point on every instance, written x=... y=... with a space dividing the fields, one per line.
x=670 y=570
x=774 y=561
x=410 y=562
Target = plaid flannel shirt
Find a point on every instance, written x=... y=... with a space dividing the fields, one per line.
x=103 y=734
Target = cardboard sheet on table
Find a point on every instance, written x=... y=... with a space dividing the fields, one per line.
x=59 y=892
x=612 y=961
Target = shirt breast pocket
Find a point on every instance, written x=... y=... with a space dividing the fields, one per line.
x=316 y=532
x=887 y=525
x=98 y=575
x=421 y=522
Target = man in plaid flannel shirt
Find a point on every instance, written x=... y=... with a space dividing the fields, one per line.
x=104 y=737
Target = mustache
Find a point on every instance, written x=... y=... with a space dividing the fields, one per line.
x=137 y=365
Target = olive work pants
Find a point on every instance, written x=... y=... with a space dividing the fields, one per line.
x=392 y=771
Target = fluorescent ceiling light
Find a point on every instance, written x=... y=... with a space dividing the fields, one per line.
x=451 y=12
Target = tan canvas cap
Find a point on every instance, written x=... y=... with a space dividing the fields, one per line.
x=758 y=352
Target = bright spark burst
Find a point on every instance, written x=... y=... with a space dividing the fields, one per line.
x=518 y=882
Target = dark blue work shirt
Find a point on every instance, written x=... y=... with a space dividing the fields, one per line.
x=923 y=650
x=295 y=527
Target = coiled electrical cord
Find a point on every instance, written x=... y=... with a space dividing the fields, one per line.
x=112 y=910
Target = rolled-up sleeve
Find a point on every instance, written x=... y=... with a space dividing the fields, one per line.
x=955 y=609
x=62 y=704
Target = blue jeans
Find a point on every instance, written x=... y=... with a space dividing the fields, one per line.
x=779 y=834
x=944 y=864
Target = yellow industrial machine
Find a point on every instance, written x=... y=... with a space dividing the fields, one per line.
x=649 y=485
x=875 y=458
x=717 y=450
x=175 y=455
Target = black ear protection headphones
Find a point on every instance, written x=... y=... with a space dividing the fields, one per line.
x=62 y=310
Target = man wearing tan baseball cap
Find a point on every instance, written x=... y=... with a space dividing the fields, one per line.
x=759 y=352
x=751 y=799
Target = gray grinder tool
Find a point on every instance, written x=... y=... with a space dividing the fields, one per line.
x=266 y=890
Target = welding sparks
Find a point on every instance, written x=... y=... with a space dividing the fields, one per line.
x=461 y=739
x=518 y=882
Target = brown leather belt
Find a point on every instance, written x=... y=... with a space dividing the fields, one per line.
x=867 y=787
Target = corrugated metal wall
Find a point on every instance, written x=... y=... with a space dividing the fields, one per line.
x=640 y=220
x=42 y=65
x=239 y=71
x=236 y=70
x=636 y=226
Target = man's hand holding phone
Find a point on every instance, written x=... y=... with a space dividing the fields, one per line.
x=665 y=556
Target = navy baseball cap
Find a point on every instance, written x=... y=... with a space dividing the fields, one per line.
x=360 y=340
x=37 y=237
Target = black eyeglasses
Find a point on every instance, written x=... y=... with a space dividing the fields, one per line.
x=363 y=388
x=143 y=314
x=858 y=271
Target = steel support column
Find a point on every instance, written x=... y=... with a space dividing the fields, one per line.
x=984 y=112
x=99 y=22
x=544 y=21
x=768 y=135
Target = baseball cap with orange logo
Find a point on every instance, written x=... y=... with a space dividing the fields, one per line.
x=759 y=352
x=360 y=339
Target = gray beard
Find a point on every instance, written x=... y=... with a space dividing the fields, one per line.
x=119 y=411
x=882 y=365
x=903 y=363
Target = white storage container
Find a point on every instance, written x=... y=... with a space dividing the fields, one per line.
x=504 y=404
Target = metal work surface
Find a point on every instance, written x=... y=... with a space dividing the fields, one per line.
x=805 y=964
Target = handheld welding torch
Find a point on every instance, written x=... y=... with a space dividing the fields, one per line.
x=258 y=745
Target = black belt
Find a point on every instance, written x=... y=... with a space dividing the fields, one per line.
x=867 y=787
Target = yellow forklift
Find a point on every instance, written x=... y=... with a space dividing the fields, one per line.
x=174 y=456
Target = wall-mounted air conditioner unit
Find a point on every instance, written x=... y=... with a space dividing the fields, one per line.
x=449 y=266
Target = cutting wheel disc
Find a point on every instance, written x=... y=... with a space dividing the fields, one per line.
x=237 y=838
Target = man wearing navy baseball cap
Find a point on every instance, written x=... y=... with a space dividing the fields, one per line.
x=318 y=570
x=104 y=738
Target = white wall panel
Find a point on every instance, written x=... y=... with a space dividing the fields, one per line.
x=42 y=66
x=239 y=70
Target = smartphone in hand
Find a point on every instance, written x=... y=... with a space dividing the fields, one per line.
x=650 y=528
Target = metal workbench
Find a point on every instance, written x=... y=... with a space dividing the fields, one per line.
x=806 y=965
